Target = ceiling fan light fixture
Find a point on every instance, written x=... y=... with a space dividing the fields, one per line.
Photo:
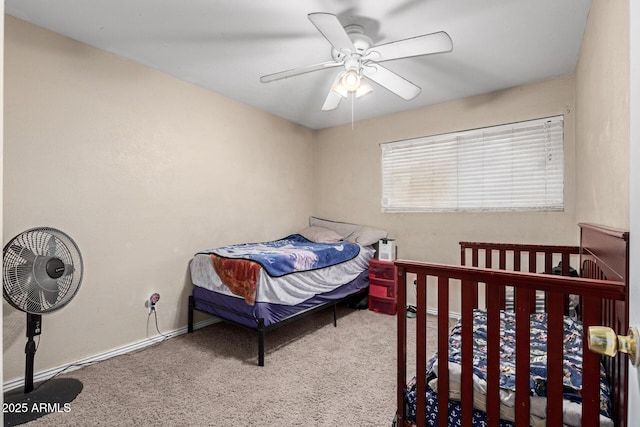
x=340 y=89
x=364 y=89
x=351 y=80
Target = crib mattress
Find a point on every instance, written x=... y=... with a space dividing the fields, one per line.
x=572 y=381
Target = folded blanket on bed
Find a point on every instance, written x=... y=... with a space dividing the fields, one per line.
x=239 y=265
x=239 y=275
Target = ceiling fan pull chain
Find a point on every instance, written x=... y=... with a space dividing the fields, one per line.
x=353 y=103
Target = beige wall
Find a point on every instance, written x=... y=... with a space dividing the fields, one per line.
x=142 y=171
x=348 y=180
x=602 y=119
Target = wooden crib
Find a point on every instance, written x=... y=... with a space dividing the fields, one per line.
x=488 y=274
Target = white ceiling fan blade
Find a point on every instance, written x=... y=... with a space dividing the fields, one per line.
x=391 y=81
x=332 y=30
x=332 y=101
x=426 y=44
x=297 y=71
x=333 y=98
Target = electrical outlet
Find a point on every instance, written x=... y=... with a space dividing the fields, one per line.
x=153 y=300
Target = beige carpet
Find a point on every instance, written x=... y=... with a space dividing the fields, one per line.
x=314 y=375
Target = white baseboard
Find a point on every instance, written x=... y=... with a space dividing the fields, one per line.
x=49 y=373
x=452 y=314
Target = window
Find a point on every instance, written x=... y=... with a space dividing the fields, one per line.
x=514 y=167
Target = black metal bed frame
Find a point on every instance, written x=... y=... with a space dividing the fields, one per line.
x=260 y=328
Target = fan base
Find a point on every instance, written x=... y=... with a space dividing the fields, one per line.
x=51 y=396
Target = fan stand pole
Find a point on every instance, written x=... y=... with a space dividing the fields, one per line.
x=34 y=322
x=30 y=350
x=52 y=395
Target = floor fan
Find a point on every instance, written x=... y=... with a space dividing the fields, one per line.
x=41 y=272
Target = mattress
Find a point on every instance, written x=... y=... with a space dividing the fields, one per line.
x=233 y=308
x=288 y=289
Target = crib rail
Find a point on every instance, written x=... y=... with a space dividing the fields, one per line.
x=552 y=254
x=522 y=257
x=595 y=294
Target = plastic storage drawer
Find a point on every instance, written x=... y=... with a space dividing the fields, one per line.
x=382 y=305
x=382 y=288
x=382 y=270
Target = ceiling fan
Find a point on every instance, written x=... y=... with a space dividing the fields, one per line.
x=354 y=51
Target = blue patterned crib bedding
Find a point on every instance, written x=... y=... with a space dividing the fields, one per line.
x=572 y=368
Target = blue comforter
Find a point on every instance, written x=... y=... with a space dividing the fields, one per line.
x=289 y=255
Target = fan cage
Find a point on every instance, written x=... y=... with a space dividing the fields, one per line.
x=21 y=286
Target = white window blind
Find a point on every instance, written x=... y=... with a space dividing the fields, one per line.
x=519 y=166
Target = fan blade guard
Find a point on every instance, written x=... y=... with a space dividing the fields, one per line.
x=52 y=246
x=51 y=275
x=22 y=252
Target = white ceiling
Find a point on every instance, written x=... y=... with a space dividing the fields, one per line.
x=226 y=45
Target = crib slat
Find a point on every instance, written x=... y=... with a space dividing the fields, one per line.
x=502 y=296
x=421 y=350
x=402 y=347
x=533 y=261
x=555 y=339
x=516 y=260
x=443 y=348
x=590 y=365
x=493 y=356
x=565 y=264
x=548 y=263
x=523 y=366
x=469 y=300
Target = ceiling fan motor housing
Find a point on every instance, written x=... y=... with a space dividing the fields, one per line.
x=361 y=42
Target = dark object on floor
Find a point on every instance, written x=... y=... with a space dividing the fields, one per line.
x=359 y=303
x=54 y=395
x=411 y=311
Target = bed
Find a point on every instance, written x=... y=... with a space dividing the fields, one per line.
x=265 y=285
x=558 y=381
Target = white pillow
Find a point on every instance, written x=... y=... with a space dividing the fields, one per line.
x=366 y=236
x=361 y=234
x=320 y=235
